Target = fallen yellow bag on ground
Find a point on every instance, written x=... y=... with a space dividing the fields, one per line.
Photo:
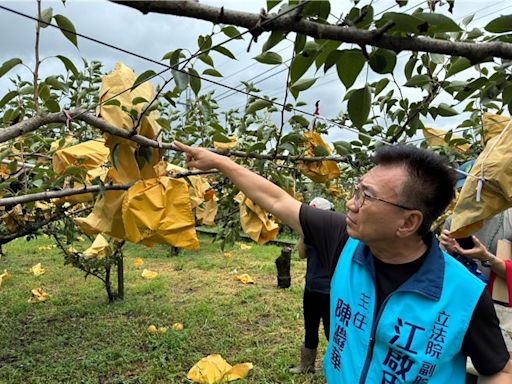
x=38 y=296
x=37 y=270
x=255 y=221
x=4 y=276
x=149 y=275
x=244 y=278
x=318 y=171
x=99 y=249
x=496 y=193
x=435 y=138
x=159 y=211
x=214 y=369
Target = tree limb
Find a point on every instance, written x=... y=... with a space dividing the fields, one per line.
x=48 y=195
x=34 y=123
x=475 y=52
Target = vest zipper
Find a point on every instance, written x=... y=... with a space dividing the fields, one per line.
x=371 y=344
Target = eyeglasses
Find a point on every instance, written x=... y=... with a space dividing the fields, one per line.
x=360 y=196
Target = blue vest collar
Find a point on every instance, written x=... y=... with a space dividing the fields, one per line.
x=428 y=280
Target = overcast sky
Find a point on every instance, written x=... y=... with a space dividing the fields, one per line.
x=153 y=35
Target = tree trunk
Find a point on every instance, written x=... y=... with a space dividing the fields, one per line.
x=120 y=276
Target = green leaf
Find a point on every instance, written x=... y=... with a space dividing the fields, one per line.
x=212 y=72
x=445 y=110
x=272 y=3
x=382 y=61
x=204 y=42
x=332 y=59
x=52 y=105
x=468 y=19
x=418 y=81
x=224 y=51
x=506 y=96
x=143 y=77
x=257 y=105
x=324 y=51
x=46 y=17
x=8 y=97
x=68 y=64
x=195 y=81
x=409 y=66
x=300 y=42
x=320 y=151
x=319 y=8
x=349 y=65
x=139 y=100
x=475 y=33
x=359 y=105
x=275 y=38
x=67 y=28
x=457 y=65
x=232 y=32
x=301 y=120
x=437 y=58
x=164 y=123
x=221 y=138
x=180 y=78
x=8 y=65
x=55 y=83
x=115 y=102
x=438 y=23
x=174 y=56
x=500 y=24
x=269 y=58
x=302 y=85
x=402 y=22
x=380 y=85
x=300 y=64
x=342 y=148
x=205 y=58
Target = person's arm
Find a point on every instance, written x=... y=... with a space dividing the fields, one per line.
x=479 y=251
x=261 y=191
x=503 y=377
x=301 y=248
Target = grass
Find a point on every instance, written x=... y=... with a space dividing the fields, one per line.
x=77 y=337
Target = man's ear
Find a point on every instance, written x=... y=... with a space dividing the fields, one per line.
x=409 y=225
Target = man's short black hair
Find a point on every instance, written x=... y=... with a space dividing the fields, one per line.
x=431 y=184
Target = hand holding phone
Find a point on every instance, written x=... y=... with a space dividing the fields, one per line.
x=466 y=242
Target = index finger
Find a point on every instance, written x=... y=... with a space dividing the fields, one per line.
x=179 y=146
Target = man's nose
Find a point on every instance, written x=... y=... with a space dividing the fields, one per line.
x=351 y=204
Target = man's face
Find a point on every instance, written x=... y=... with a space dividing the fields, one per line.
x=376 y=221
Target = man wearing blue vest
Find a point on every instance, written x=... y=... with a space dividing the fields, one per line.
x=402 y=311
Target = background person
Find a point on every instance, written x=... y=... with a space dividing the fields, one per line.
x=316 y=298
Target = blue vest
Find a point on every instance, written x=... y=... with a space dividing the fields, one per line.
x=416 y=336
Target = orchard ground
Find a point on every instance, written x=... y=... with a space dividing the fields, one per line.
x=77 y=337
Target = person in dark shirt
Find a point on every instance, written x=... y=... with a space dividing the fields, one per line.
x=315 y=306
x=401 y=309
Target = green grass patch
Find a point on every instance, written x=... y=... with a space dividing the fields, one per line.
x=77 y=337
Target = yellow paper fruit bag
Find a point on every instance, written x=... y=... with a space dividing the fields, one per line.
x=318 y=171
x=255 y=221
